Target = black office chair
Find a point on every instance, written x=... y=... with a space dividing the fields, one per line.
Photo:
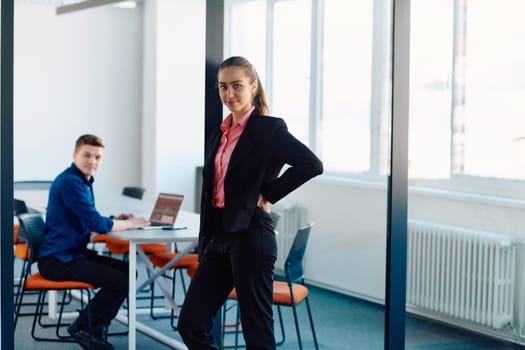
x=133 y=191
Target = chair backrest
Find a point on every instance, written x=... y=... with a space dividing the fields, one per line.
x=33 y=224
x=19 y=207
x=133 y=191
x=293 y=266
x=275 y=217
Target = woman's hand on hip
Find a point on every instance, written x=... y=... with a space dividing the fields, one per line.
x=264 y=204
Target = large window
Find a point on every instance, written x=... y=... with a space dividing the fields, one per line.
x=467 y=88
x=346 y=88
x=328 y=74
x=291 y=62
x=490 y=75
x=246 y=22
x=430 y=88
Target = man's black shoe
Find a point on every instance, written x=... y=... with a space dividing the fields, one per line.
x=82 y=337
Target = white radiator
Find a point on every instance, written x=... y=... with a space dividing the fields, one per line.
x=460 y=273
x=293 y=217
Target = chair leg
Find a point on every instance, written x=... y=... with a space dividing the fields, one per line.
x=237 y=322
x=62 y=304
x=38 y=314
x=90 y=323
x=223 y=325
x=18 y=305
x=89 y=317
x=172 y=313
x=311 y=322
x=282 y=326
x=38 y=310
x=297 y=327
x=152 y=302
x=181 y=274
x=236 y=325
x=41 y=312
x=19 y=285
x=59 y=323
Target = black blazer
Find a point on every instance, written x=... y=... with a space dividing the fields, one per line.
x=264 y=147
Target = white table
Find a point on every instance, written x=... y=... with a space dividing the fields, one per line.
x=135 y=237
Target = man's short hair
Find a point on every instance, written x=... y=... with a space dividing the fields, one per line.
x=89 y=139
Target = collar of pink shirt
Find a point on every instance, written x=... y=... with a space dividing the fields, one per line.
x=227 y=122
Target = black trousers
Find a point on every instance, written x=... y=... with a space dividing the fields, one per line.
x=242 y=259
x=108 y=274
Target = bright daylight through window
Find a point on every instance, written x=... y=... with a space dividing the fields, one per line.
x=467 y=84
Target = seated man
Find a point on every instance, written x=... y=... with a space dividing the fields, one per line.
x=71 y=217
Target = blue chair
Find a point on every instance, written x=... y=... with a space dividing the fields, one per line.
x=290 y=292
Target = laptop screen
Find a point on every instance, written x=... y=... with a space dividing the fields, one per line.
x=166 y=209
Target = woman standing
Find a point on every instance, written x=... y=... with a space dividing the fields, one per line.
x=241 y=177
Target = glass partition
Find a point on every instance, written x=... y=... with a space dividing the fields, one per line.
x=466 y=192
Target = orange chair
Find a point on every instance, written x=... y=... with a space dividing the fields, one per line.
x=290 y=292
x=20 y=248
x=190 y=271
x=119 y=246
x=33 y=224
x=21 y=251
x=160 y=259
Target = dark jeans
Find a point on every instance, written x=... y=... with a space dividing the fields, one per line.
x=242 y=259
x=108 y=274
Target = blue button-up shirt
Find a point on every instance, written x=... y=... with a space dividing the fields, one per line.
x=71 y=216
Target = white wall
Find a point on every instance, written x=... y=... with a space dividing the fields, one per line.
x=73 y=74
x=173 y=123
x=133 y=76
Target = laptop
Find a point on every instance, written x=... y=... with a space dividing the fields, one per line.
x=165 y=211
